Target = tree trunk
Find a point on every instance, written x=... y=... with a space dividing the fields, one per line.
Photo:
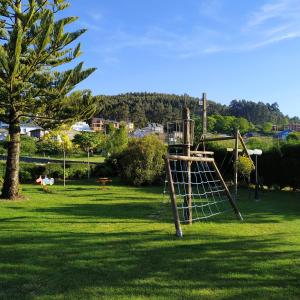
x=10 y=188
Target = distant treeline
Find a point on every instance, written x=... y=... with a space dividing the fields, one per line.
x=142 y=108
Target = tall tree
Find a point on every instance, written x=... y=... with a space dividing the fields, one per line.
x=33 y=42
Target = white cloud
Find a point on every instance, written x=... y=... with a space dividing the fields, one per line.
x=273 y=22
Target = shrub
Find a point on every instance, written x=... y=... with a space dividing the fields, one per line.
x=263 y=143
x=245 y=166
x=142 y=162
x=54 y=170
x=30 y=171
x=78 y=171
x=3 y=147
x=28 y=145
x=107 y=169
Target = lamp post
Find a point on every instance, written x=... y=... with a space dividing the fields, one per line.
x=88 y=161
x=256 y=152
x=60 y=140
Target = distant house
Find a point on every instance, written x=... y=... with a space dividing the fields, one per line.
x=3 y=125
x=77 y=128
x=293 y=127
x=282 y=135
x=101 y=125
x=33 y=130
x=81 y=127
x=30 y=129
x=152 y=128
x=129 y=126
x=3 y=134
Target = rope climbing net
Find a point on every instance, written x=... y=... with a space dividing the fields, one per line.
x=199 y=191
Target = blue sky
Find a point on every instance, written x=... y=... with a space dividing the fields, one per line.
x=231 y=49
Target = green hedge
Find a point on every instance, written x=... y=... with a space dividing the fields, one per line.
x=278 y=166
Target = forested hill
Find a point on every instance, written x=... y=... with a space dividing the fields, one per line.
x=142 y=108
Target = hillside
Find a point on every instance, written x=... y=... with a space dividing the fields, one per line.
x=142 y=108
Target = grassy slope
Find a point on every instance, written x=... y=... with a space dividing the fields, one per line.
x=83 y=243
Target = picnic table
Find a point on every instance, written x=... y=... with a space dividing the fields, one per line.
x=103 y=181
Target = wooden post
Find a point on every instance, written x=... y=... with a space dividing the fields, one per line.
x=187 y=152
x=232 y=202
x=236 y=157
x=204 y=115
x=173 y=199
x=244 y=147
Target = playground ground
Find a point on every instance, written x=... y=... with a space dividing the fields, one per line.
x=85 y=243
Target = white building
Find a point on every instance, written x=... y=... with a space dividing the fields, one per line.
x=3 y=125
x=152 y=128
x=3 y=134
x=32 y=130
x=81 y=126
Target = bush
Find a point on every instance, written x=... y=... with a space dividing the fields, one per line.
x=78 y=171
x=54 y=171
x=142 y=162
x=263 y=143
x=245 y=166
x=28 y=145
x=3 y=150
x=107 y=169
x=29 y=172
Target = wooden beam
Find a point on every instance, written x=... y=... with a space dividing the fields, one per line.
x=189 y=158
x=202 y=152
x=187 y=152
x=224 y=138
x=173 y=199
x=235 y=169
x=204 y=115
x=245 y=147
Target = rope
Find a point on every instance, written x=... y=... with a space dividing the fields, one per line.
x=207 y=193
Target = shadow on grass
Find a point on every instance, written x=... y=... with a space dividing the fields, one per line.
x=104 y=210
x=113 y=265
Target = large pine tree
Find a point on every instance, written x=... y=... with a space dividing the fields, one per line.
x=33 y=43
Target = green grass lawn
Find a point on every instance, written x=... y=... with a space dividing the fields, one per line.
x=85 y=243
x=74 y=157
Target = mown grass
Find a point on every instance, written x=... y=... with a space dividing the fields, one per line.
x=73 y=157
x=85 y=243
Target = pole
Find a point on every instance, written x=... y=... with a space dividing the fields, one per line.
x=204 y=120
x=88 y=163
x=187 y=152
x=256 y=197
x=64 y=165
x=204 y=115
x=236 y=157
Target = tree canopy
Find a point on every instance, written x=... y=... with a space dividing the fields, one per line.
x=142 y=108
x=33 y=43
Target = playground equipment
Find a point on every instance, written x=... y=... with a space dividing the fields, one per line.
x=45 y=181
x=196 y=187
